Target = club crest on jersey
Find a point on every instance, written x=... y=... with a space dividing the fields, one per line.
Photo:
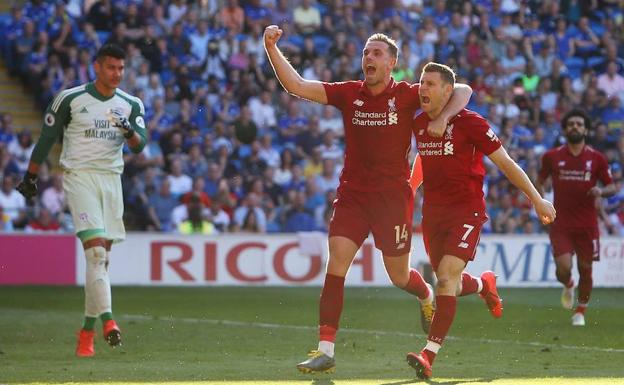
x=392 y=104
x=140 y=122
x=561 y=163
x=393 y=117
x=588 y=165
x=448 y=134
x=49 y=119
x=358 y=102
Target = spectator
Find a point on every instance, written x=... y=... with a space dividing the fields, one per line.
x=232 y=16
x=53 y=197
x=44 y=221
x=6 y=224
x=307 y=18
x=299 y=218
x=160 y=207
x=180 y=182
x=254 y=222
x=13 y=202
x=196 y=223
x=611 y=82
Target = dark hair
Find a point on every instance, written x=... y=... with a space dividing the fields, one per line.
x=112 y=50
x=447 y=74
x=576 y=112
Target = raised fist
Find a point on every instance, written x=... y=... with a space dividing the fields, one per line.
x=272 y=34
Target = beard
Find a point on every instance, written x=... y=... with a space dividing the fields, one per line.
x=574 y=137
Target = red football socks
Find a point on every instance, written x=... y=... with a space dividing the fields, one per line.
x=585 y=283
x=442 y=319
x=470 y=284
x=330 y=307
x=416 y=285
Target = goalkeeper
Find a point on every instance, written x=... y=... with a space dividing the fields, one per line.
x=95 y=120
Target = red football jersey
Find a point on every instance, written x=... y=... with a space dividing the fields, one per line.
x=377 y=133
x=453 y=168
x=572 y=177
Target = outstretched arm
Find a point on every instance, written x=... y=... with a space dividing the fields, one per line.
x=544 y=209
x=292 y=82
x=459 y=100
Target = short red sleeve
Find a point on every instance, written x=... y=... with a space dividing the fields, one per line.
x=604 y=172
x=481 y=135
x=545 y=170
x=336 y=93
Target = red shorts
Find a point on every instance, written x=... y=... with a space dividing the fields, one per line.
x=584 y=241
x=447 y=232
x=387 y=214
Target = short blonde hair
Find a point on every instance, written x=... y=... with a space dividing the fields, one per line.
x=392 y=45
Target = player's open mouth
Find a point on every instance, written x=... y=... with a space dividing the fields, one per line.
x=424 y=100
x=370 y=69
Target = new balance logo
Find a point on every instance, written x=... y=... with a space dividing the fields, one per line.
x=463 y=245
x=562 y=163
x=448 y=148
x=358 y=102
x=84 y=110
x=492 y=135
x=421 y=132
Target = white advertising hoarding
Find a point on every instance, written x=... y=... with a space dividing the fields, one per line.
x=299 y=260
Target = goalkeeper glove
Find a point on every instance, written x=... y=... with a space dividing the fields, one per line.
x=28 y=186
x=117 y=119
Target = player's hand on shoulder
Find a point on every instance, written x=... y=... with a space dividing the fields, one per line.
x=28 y=186
x=272 y=34
x=545 y=211
x=437 y=127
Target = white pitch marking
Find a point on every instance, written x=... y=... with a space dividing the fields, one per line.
x=262 y=325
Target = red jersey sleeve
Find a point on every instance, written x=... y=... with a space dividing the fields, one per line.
x=604 y=172
x=336 y=93
x=545 y=170
x=481 y=135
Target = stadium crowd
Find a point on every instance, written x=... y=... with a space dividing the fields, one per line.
x=230 y=149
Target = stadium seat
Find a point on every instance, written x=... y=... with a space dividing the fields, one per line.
x=595 y=62
x=322 y=44
x=103 y=36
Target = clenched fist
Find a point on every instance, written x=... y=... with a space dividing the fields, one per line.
x=272 y=34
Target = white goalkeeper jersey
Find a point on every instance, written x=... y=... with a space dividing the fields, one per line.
x=90 y=141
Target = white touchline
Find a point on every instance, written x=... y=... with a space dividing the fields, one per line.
x=261 y=325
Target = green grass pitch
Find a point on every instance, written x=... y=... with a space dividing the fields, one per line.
x=257 y=335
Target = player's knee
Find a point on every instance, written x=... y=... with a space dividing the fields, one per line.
x=97 y=258
x=445 y=283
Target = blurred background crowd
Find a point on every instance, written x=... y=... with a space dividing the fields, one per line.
x=231 y=151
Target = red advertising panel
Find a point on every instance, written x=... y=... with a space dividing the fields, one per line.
x=37 y=259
